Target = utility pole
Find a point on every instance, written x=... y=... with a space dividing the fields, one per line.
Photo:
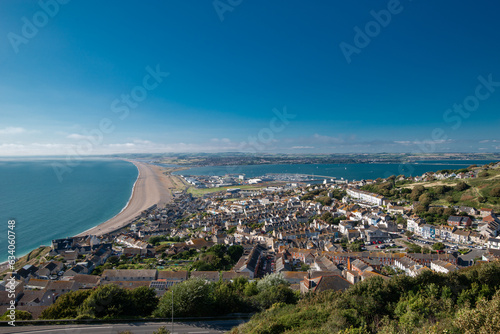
x=172 y=327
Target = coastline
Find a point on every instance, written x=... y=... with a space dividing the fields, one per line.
x=151 y=187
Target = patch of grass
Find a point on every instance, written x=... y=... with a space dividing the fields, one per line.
x=203 y=191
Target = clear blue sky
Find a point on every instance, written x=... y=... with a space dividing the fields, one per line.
x=226 y=76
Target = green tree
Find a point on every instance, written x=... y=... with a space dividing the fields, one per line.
x=66 y=306
x=107 y=301
x=438 y=246
x=495 y=192
x=485 y=318
x=416 y=192
x=484 y=174
x=143 y=301
x=235 y=252
x=327 y=217
x=461 y=186
x=193 y=297
x=271 y=280
x=304 y=267
x=19 y=314
x=275 y=294
x=113 y=260
x=425 y=200
x=155 y=240
x=354 y=247
x=325 y=200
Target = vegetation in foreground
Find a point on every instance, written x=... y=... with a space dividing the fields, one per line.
x=195 y=297
x=466 y=301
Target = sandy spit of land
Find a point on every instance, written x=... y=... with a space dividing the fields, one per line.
x=152 y=187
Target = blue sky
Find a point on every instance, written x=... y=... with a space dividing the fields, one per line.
x=64 y=85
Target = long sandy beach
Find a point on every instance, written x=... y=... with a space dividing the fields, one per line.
x=151 y=187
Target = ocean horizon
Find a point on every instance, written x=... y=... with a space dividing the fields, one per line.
x=46 y=206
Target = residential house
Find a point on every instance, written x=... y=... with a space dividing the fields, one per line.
x=211 y=276
x=459 y=221
x=250 y=262
x=428 y=231
x=129 y=275
x=374 y=234
x=324 y=283
x=229 y=276
x=460 y=236
x=49 y=269
x=443 y=266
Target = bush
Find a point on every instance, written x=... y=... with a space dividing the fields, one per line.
x=271 y=280
x=66 y=306
x=19 y=314
x=461 y=186
x=495 y=192
x=275 y=294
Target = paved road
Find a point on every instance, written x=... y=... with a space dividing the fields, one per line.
x=199 y=327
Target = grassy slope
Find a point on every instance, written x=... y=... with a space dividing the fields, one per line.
x=203 y=191
x=479 y=187
x=35 y=257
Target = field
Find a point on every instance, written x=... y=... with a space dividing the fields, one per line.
x=202 y=191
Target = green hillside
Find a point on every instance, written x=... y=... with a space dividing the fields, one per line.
x=482 y=191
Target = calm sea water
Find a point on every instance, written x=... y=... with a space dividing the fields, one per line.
x=46 y=208
x=347 y=171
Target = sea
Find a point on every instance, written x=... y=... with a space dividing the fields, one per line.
x=50 y=199
x=358 y=171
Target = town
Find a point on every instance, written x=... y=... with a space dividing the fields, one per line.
x=319 y=236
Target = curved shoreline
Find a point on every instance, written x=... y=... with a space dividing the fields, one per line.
x=150 y=187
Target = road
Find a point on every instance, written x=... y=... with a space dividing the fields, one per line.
x=198 y=327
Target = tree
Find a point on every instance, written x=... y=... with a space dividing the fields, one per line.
x=270 y=280
x=275 y=294
x=354 y=247
x=324 y=200
x=495 y=192
x=425 y=200
x=461 y=186
x=484 y=174
x=417 y=192
x=19 y=314
x=113 y=260
x=304 y=267
x=438 y=246
x=441 y=190
x=327 y=217
x=482 y=319
x=108 y=301
x=235 y=252
x=155 y=240
x=401 y=220
x=66 y=306
x=193 y=297
x=143 y=300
